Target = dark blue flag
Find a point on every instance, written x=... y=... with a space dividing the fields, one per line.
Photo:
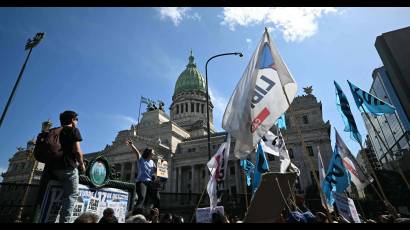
x=343 y=106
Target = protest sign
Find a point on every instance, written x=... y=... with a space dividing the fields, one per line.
x=162 y=168
x=89 y=200
x=204 y=215
x=346 y=207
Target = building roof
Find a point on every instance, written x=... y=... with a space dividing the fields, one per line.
x=190 y=79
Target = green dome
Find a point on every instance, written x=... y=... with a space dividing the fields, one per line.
x=190 y=79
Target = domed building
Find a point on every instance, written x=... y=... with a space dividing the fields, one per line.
x=181 y=139
x=188 y=108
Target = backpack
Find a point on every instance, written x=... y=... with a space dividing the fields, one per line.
x=48 y=147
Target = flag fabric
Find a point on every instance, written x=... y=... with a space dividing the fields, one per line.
x=217 y=166
x=369 y=103
x=248 y=168
x=261 y=166
x=337 y=178
x=259 y=98
x=357 y=175
x=144 y=100
x=275 y=145
x=281 y=122
x=322 y=176
x=344 y=108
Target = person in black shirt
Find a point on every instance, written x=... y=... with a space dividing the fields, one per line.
x=65 y=170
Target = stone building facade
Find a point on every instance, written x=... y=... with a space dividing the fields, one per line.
x=181 y=140
x=23 y=168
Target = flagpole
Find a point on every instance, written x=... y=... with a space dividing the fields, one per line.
x=139 y=113
x=385 y=146
x=199 y=202
x=301 y=138
x=245 y=189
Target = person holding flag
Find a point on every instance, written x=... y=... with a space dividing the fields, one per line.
x=263 y=94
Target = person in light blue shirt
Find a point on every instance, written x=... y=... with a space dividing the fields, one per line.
x=146 y=179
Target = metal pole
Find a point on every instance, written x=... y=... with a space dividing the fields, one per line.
x=15 y=87
x=207 y=97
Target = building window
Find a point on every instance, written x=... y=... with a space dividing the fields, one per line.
x=190 y=175
x=203 y=173
x=197 y=107
x=23 y=165
x=310 y=150
x=128 y=177
x=291 y=153
x=233 y=190
x=182 y=108
x=192 y=107
x=186 y=107
x=232 y=170
x=177 y=109
x=202 y=108
x=305 y=119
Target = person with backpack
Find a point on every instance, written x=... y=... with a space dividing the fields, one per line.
x=60 y=150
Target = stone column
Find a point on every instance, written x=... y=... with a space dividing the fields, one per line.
x=123 y=171
x=237 y=175
x=179 y=176
x=133 y=168
x=192 y=178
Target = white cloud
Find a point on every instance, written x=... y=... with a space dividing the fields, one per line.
x=248 y=40
x=177 y=14
x=295 y=23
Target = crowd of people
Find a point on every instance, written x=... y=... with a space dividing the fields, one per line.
x=65 y=166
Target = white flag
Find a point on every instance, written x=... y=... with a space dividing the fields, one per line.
x=322 y=175
x=349 y=161
x=218 y=166
x=275 y=145
x=259 y=99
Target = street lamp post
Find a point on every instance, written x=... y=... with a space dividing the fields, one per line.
x=29 y=46
x=207 y=97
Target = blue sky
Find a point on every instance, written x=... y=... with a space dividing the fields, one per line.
x=99 y=61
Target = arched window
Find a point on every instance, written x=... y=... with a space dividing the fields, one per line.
x=186 y=107
x=202 y=108
x=192 y=107
x=177 y=108
x=182 y=108
x=197 y=107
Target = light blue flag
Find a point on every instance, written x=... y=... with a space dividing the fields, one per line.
x=248 y=168
x=281 y=122
x=343 y=106
x=144 y=100
x=369 y=103
x=337 y=177
x=261 y=166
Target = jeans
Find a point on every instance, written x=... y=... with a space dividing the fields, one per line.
x=69 y=178
x=144 y=188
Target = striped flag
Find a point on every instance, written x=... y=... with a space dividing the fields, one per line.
x=343 y=106
x=369 y=103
